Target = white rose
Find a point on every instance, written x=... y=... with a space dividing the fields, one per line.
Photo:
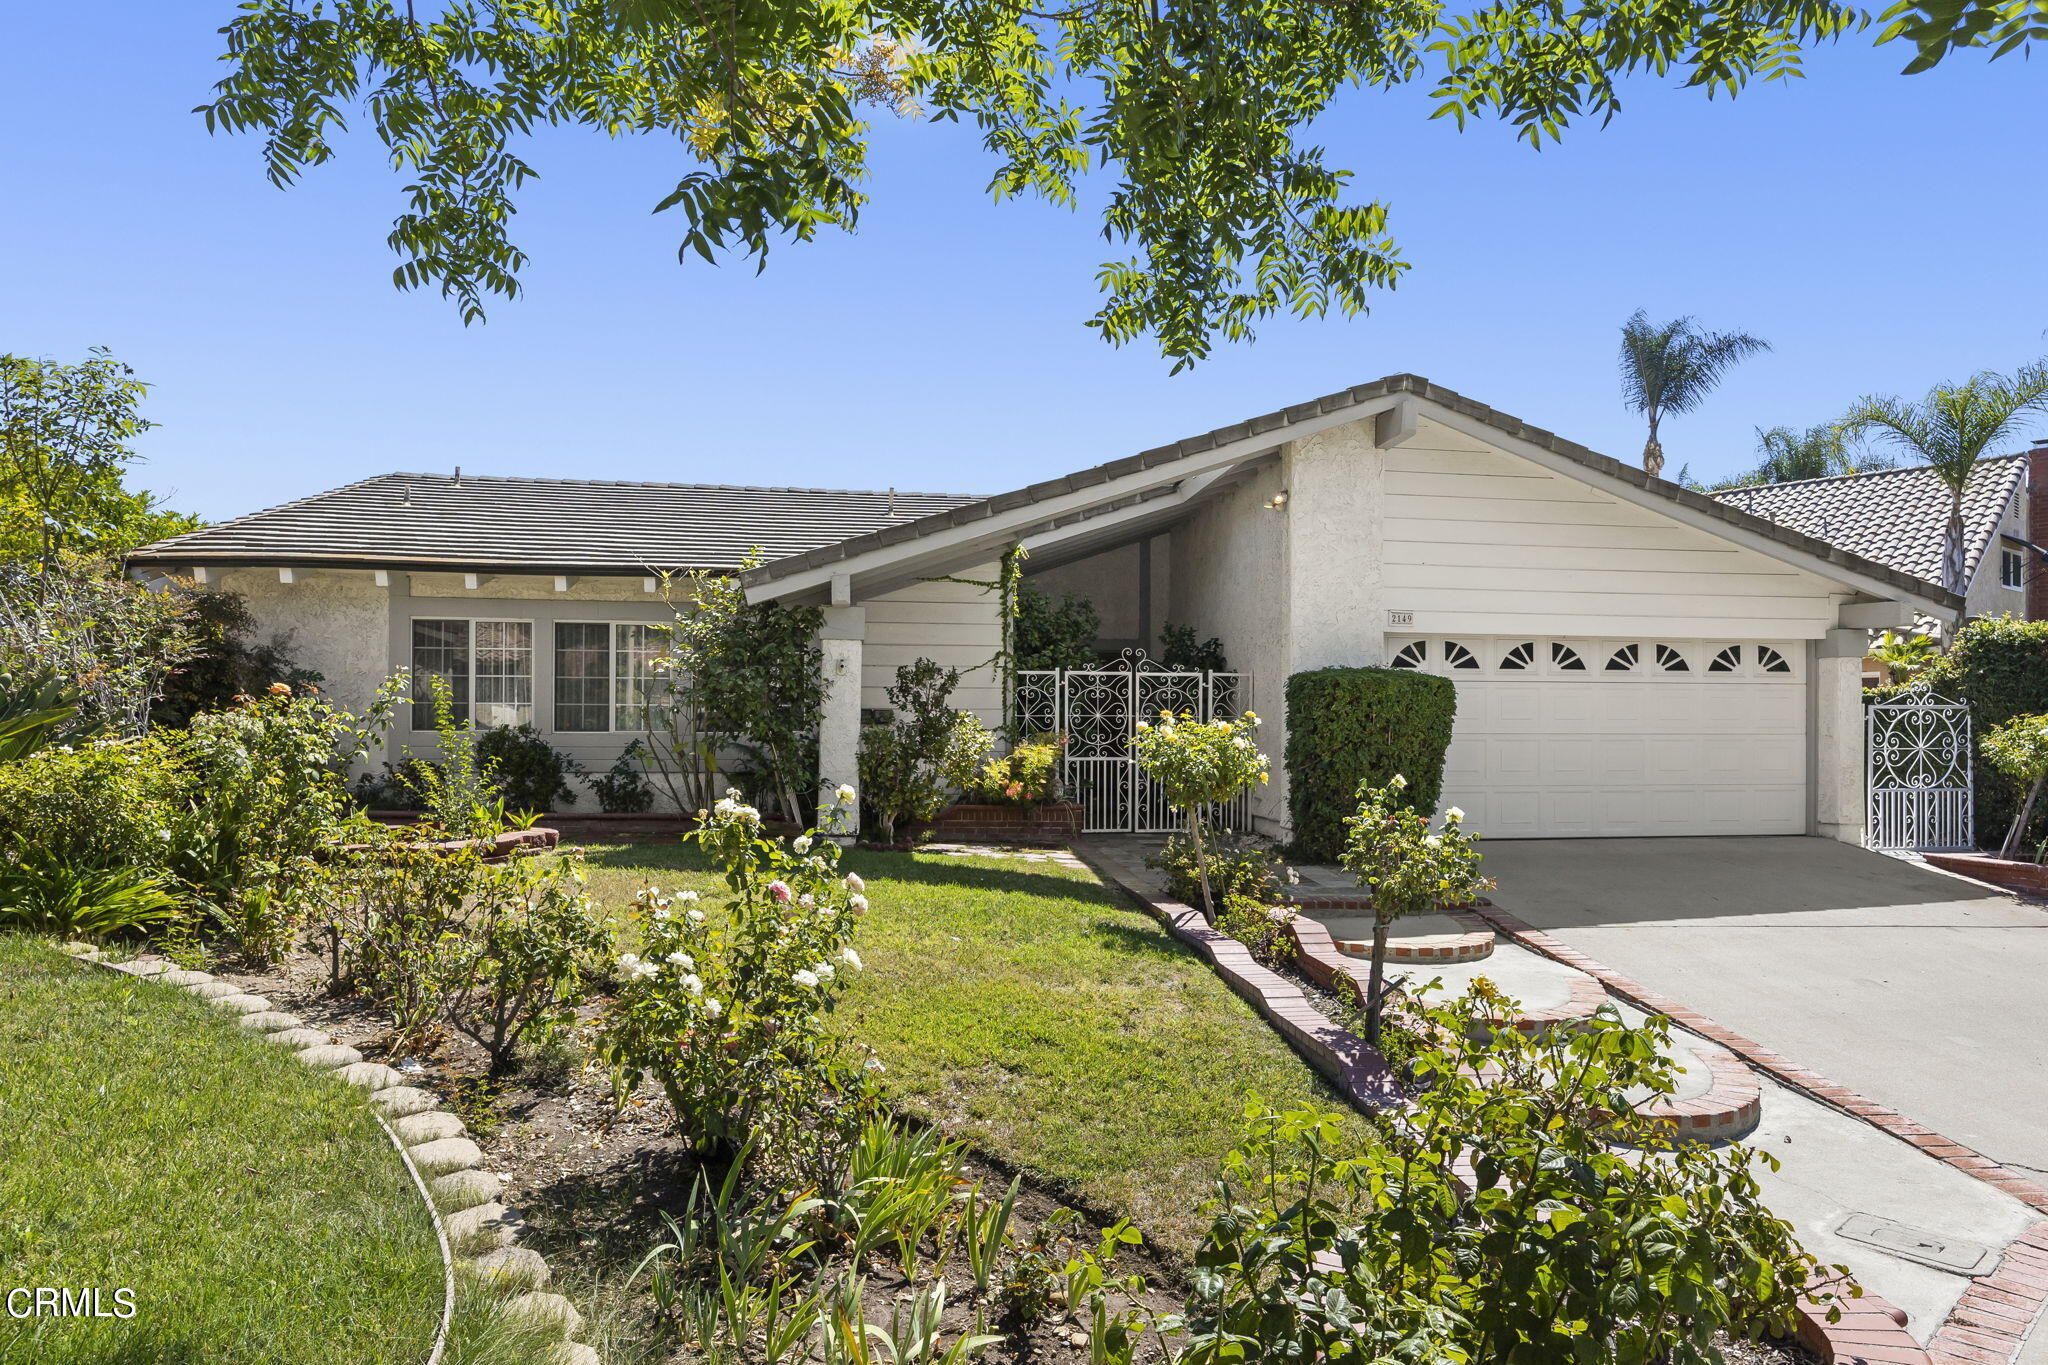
x=685 y=897
x=859 y=906
x=1454 y=815
x=695 y=916
x=694 y=984
x=805 y=979
x=854 y=883
x=683 y=960
x=712 y=1009
x=801 y=844
x=847 y=795
x=823 y=971
x=850 y=958
x=635 y=969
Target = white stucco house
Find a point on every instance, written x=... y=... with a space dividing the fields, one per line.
x=1631 y=657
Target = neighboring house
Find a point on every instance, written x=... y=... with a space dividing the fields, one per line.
x=1899 y=517
x=1632 y=658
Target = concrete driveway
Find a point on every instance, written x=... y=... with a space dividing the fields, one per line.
x=1921 y=991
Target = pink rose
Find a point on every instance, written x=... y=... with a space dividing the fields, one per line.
x=779 y=890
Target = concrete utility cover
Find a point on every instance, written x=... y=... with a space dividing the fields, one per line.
x=1918 y=1244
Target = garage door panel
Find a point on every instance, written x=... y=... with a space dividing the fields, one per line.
x=1549 y=753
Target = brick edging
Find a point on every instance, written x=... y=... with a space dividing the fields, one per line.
x=1356 y=1069
x=1987 y=1332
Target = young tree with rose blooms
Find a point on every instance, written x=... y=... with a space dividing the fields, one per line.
x=1408 y=868
x=1199 y=764
x=726 y=1010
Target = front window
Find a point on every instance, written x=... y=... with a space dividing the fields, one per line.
x=488 y=665
x=2012 y=569
x=601 y=672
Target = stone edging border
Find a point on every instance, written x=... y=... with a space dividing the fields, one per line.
x=1870 y=1332
x=1995 y=1315
x=408 y=1117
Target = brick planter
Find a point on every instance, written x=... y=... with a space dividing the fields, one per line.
x=2028 y=878
x=495 y=849
x=1057 y=823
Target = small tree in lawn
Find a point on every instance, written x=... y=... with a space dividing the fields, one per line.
x=1408 y=868
x=1200 y=763
x=2019 y=750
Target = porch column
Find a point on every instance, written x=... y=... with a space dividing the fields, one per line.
x=1838 y=735
x=839 y=720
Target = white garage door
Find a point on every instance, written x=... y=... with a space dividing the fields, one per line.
x=1600 y=738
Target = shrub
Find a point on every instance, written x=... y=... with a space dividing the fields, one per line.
x=106 y=804
x=528 y=772
x=230 y=664
x=1055 y=634
x=1388 y=846
x=1238 y=866
x=1251 y=923
x=455 y=792
x=1999 y=666
x=1353 y=727
x=727 y=1013
x=43 y=893
x=2019 y=750
x=1567 y=1249
x=1199 y=764
x=515 y=968
x=268 y=800
x=1178 y=648
x=903 y=763
x=389 y=915
x=1028 y=775
x=623 y=789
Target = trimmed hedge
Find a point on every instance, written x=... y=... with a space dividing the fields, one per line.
x=1999 y=665
x=1346 y=726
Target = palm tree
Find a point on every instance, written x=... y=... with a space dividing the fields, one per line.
x=1672 y=367
x=1820 y=452
x=1950 y=429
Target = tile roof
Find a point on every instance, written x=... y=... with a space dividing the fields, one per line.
x=564 y=525
x=1276 y=424
x=1897 y=517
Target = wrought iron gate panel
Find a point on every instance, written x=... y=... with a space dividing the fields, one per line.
x=1917 y=746
x=1098 y=710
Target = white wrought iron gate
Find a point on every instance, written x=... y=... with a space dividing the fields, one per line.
x=1918 y=751
x=1098 y=710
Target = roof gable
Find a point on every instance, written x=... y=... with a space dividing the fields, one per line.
x=978 y=524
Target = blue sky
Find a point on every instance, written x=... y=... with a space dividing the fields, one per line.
x=1882 y=231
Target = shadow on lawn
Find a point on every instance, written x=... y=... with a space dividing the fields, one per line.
x=929 y=869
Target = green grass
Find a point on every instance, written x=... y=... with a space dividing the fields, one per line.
x=1034 y=1011
x=257 y=1211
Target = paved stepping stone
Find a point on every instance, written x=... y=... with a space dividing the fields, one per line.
x=329 y=1057
x=207 y=990
x=446 y=1154
x=185 y=978
x=368 y=1075
x=241 y=1004
x=401 y=1100
x=464 y=1189
x=296 y=1037
x=269 y=1021
x=413 y=1129
x=540 y=1307
x=574 y=1353
x=512 y=1267
x=487 y=1224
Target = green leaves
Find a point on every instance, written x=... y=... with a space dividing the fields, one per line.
x=1937 y=27
x=1222 y=207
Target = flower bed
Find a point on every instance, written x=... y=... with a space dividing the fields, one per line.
x=1052 y=823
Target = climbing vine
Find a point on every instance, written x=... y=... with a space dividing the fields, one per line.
x=1007 y=586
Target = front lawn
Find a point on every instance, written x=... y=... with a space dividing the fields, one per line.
x=1034 y=1011
x=257 y=1212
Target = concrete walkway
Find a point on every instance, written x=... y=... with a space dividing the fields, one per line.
x=1924 y=992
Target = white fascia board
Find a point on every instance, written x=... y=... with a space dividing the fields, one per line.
x=957 y=547
x=1690 y=516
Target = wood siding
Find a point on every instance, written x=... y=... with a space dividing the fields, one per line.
x=1482 y=542
x=954 y=623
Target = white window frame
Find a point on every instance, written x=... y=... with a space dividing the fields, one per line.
x=612 y=675
x=2012 y=567
x=416 y=700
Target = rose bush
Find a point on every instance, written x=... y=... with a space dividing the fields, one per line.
x=1199 y=764
x=724 y=1006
